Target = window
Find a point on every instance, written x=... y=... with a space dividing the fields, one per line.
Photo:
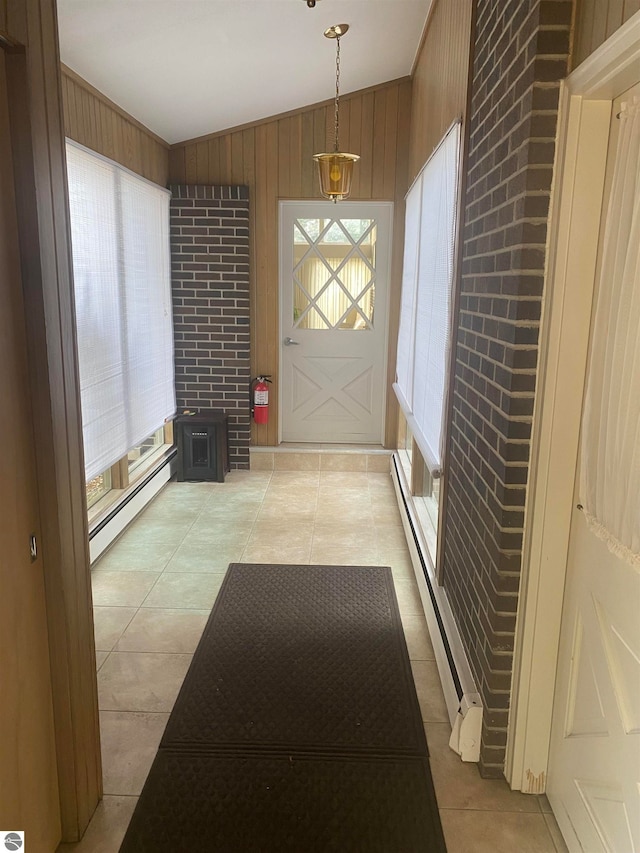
x=425 y=315
x=334 y=273
x=121 y=265
x=425 y=329
x=139 y=454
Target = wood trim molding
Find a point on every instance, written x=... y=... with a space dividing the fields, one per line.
x=45 y=249
x=80 y=81
x=423 y=37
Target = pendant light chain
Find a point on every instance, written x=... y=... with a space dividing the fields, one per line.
x=335 y=168
x=337 y=104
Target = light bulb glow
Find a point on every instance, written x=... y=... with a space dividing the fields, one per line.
x=336 y=173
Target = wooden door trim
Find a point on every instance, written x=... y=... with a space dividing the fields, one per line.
x=40 y=177
x=576 y=201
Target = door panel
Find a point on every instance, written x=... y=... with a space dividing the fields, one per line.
x=594 y=760
x=28 y=773
x=334 y=283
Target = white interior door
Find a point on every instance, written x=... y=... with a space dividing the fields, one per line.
x=334 y=291
x=594 y=761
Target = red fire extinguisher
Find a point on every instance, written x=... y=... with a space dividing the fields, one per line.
x=259 y=394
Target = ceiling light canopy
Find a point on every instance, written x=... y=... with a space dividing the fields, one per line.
x=335 y=168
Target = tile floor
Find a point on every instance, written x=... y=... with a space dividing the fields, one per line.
x=152 y=594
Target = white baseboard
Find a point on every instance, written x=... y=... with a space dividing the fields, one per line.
x=121 y=516
x=464 y=705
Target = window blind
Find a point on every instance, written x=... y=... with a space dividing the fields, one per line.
x=424 y=339
x=122 y=282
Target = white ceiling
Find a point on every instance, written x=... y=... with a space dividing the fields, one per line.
x=185 y=68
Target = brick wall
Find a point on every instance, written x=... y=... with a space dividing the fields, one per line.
x=520 y=54
x=210 y=283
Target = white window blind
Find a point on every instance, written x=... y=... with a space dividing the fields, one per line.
x=424 y=339
x=121 y=267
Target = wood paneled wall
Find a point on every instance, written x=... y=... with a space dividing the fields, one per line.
x=274 y=159
x=440 y=78
x=4 y=28
x=91 y=119
x=596 y=20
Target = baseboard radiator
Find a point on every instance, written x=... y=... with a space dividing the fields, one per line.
x=463 y=701
x=107 y=530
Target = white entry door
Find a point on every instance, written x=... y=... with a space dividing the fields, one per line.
x=594 y=761
x=334 y=292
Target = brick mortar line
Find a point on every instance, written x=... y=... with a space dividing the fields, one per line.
x=514 y=465
x=506 y=551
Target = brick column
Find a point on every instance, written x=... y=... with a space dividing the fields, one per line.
x=210 y=284
x=520 y=55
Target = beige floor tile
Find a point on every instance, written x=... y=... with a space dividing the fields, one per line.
x=279 y=511
x=204 y=557
x=356 y=511
x=277 y=551
x=127 y=589
x=430 y=697
x=343 y=462
x=100 y=659
x=308 y=479
x=459 y=785
x=182 y=495
x=400 y=562
x=378 y=463
x=290 y=498
x=160 y=531
x=382 y=491
x=261 y=461
x=106 y=828
x=408 y=596
x=282 y=526
x=171 y=511
x=109 y=623
x=417 y=637
x=554 y=832
x=388 y=555
x=341 y=555
x=345 y=534
x=493 y=832
x=133 y=553
x=304 y=488
x=220 y=534
x=343 y=482
x=381 y=482
x=129 y=745
x=185 y=591
x=385 y=513
x=141 y=681
x=172 y=631
x=236 y=502
x=296 y=462
x=250 y=479
x=391 y=537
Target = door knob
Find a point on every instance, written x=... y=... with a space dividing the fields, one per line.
x=289 y=341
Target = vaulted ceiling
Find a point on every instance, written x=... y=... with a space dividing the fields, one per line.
x=185 y=68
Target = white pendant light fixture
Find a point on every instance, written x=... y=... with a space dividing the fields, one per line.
x=335 y=169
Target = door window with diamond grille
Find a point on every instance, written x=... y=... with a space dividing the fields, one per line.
x=334 y=273
x=334 y=281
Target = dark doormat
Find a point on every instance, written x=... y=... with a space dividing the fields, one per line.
x=297 y=727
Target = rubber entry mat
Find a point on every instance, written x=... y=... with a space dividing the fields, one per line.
x=297 y=727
